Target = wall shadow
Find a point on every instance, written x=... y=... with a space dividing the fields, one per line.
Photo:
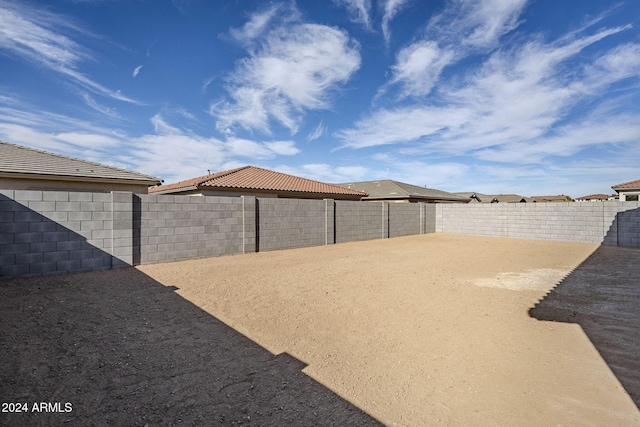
x=625 y=229
x=123 y=349
x=602 y=295
x=32 y=244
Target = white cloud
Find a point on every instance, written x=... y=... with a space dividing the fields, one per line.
x=319 y=130
x=110 y=112
x=295 y=67
x=282 y=148
x=325 y=173
x=475 y=23
x=390 y=9
x=262 y=22
x=41 y=37
x=359 y=10
x=514 y=99
x=136 y=71
x=569 y=140
x=464 y=27
x=418 y=68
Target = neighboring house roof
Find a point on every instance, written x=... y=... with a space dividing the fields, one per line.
x=23 y=162
x=495 y=198
x=387 y=189
x=511 y=198
x=594 y=197
x=560 y=198
x=475 y=197
x=257 y=179
x=631 y=185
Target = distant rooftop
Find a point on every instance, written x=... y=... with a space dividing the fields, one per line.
x=628 y=185
x=387 y=189
x=495 y=198
x=559 y=198
x=22 y=162
x=255 y=178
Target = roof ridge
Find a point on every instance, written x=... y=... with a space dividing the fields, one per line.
x=293 y=176
x=62 y=156
x=395 y=183
x=625 y=183
x=216 y=175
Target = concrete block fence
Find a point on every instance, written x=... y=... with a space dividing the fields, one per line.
x=610 y=223
x=48 y=232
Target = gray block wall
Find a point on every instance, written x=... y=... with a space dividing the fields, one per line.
x=291 y=223
x=612 y=223
x=355 y=221
x=45 y=232
x=176 y=228
x=429 y=217
x=626 y=227
x=405 y=219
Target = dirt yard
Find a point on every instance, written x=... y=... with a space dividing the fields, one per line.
x=431 y=330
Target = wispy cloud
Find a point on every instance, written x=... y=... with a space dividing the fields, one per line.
x=169 y=152
x=107 y=111
x=45 y=39
x=475 y=24
x=136 y=71
x=463 y=28
x=418 y=68
x=325 y=172
x=317 y=132
x=512 y=107
x=390 y=8
x=290 y=69
x=359 y=11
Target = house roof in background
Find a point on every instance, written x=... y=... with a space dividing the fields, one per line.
x=559 y=198
x=22 y=162
x=390 y=189
x=594 y=197
x=255 y=178
x=493 y=198
x=631 y=185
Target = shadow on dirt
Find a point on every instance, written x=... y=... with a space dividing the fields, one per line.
x=123 y=349
x=602 y=295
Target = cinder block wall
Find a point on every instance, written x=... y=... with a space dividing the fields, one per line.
x=356 y=221
x=612 y=223
x=46 y=232
x=626 y=226
x=291 y=223
x=405 y=219
x=175 y=228
x=430 y=217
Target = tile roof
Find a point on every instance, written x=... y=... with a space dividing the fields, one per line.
x=560 y=198
x=594 y=197
x=627 y=185
x=255 y=178
x=496 y=198
x=389 y=189
x=24 y=162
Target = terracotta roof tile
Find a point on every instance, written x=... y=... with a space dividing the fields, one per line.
x=255 y=178
x=627 y=185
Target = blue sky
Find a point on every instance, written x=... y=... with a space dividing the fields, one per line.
x=534 y=97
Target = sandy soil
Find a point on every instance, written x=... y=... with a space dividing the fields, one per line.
x=423 y=330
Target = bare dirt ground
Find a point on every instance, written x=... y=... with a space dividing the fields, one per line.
x=432 y=330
